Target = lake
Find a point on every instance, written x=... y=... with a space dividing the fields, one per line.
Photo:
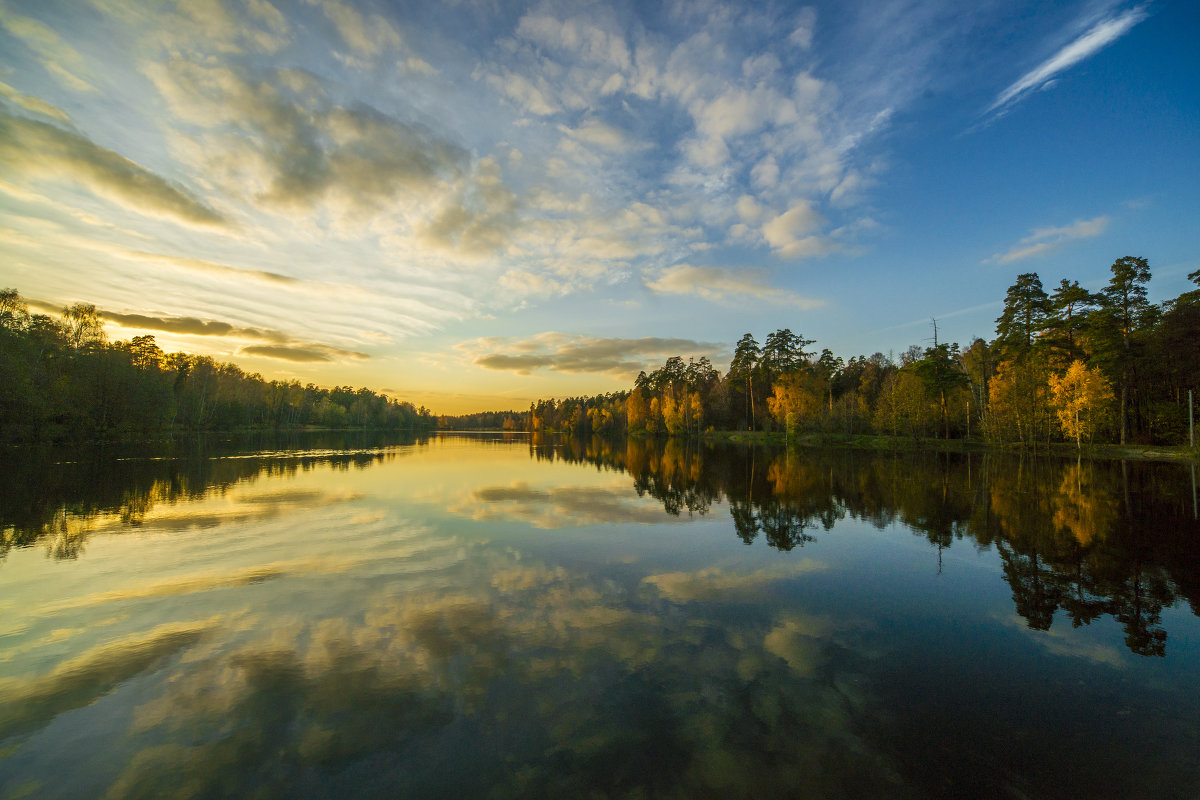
x=506 y=616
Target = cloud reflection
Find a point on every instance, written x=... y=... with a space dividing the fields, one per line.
x=554 y=680
x=557 y=507
x=28 y=704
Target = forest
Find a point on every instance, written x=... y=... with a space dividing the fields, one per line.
x=1068 y=365
x=63 y=381
x=1065 y=365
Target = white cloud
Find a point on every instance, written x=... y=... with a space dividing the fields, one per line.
x=1099 y=36
x=559 y=352
x=792 y=234
x=1044 y=240
x=60 y=59
x=367 y=37
x=37 y=151
x=723 y=285
x=580 y=39
x=31 y=103
x=599 y=134
x=526 y=93
x=749 y=209
x=806 y=21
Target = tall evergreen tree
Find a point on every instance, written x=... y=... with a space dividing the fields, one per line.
x=1070 y=306
x=783 y=352
x=941 y=372
x=1026 y=309
x=1123 y=310
x=746 y=357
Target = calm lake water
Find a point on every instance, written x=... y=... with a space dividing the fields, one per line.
x=490 y=616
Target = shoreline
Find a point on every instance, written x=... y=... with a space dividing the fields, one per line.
x=854 y=441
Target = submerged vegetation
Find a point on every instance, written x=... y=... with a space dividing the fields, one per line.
x=1070 y=365
x=62 y=380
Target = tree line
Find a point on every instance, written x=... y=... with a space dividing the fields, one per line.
x=1065 y=365
x=63 y=380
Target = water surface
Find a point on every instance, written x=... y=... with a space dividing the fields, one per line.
x=491 y=616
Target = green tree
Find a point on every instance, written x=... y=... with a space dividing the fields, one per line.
x=82 y=326
x=783 y=352
x=1177 y=336
x=746 y=357
x=979 y=365
x=1123 y=309
x=1026 y=309
x=941 y=373
x=1070 y=306
x=827 y=368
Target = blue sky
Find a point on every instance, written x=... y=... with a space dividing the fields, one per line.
x=472 y=204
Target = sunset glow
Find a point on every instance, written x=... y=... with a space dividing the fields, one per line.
x=469 y=205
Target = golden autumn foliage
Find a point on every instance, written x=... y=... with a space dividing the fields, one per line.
x=1081 y=397
x=1082 y=506
x=796 y=399
x=1018 y=405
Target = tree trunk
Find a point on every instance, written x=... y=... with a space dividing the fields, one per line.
x=1124 y=394
x=750 y=380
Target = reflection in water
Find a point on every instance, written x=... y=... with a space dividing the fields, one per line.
x=1084 y=538
x=606 y=698
x=59 y=498
x=422 y=629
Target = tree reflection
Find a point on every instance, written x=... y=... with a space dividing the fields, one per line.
x=58 y=498
x=1078 y=540
x=1087 y=539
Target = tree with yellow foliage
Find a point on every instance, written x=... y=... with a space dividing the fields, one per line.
x=1080 y=396
x=1018 y=409
x=796 y=399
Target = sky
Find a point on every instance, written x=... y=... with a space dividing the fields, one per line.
x=472 y=204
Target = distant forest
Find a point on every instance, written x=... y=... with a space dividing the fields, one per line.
x=60 y=379
x=1067 y=365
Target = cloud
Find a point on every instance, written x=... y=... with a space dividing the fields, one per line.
x=1044 y=240
x=557 y=507
x=368 y=37
x=200 y=265
x=522 y=365
x=714 y=583
x=603 y=136
x=38 y=150
x=792 y=233
x=33 y=104
x=283 y=141
x=530 y=95
x=280 y=345
x=31 y=703
x=1099 y=36
x=579 y=39
x=478 y=219
x=581 y=354
x=300 y=353
x=188 y=326
x=58 y=58
x=716 y=283
x=525 y=283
